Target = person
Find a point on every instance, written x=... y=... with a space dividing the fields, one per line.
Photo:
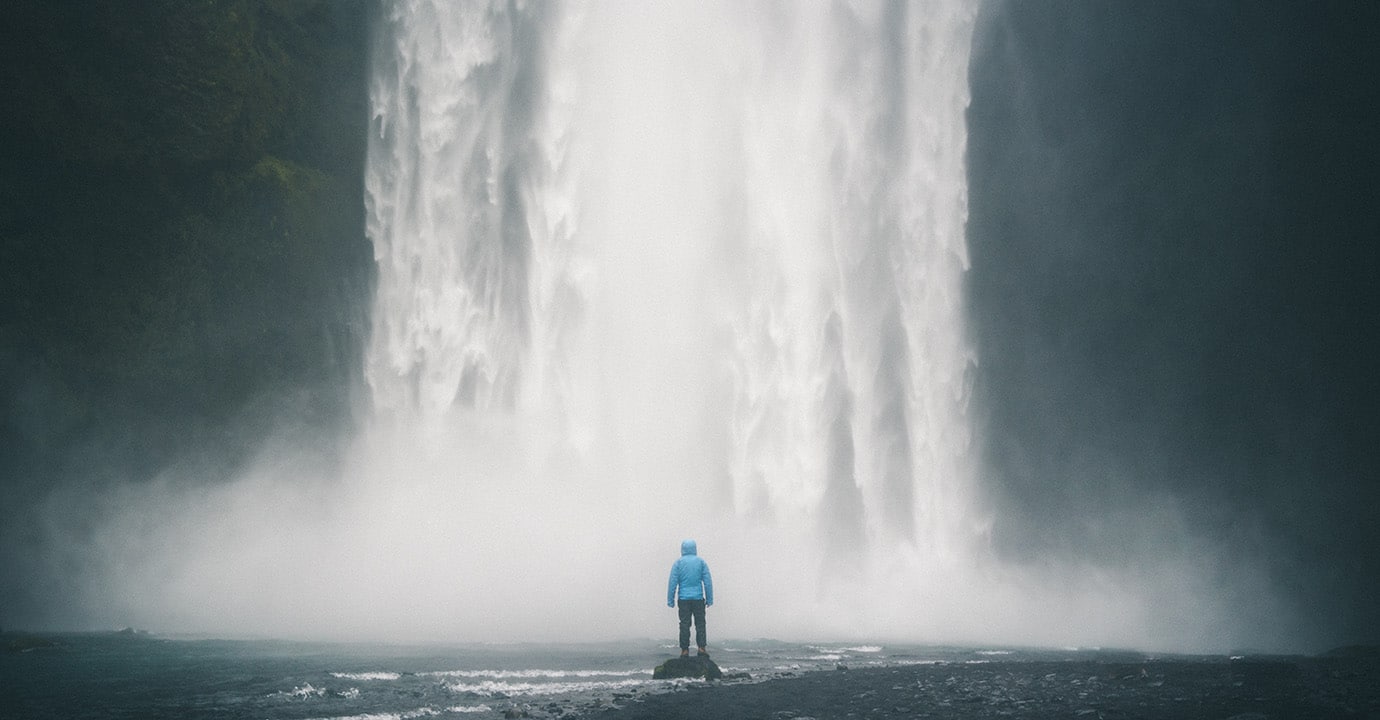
x=692 y=584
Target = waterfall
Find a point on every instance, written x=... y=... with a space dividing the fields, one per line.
x=703 y=260
x=648 y=271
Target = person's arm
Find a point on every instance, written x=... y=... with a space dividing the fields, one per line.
x=708 y=587
x=671 y=586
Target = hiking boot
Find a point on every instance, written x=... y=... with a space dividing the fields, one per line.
x=702 y=651
x=685 y=653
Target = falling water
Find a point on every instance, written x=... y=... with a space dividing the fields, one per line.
x=649 y=271
x=703 y=262
x=768 y=199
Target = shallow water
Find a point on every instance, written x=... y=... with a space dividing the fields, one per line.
x=127 y=676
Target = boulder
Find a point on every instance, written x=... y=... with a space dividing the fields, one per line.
x=697 y=666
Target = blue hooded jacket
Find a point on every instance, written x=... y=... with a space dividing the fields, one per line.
x=691 y=574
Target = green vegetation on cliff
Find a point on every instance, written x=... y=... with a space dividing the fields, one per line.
x=181 y=233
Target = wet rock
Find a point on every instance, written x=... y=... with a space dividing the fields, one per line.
x=1201 y=687
x=699 y=666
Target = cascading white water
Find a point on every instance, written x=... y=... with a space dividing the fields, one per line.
x=702 y=260
x=760 y=204
x=850 y=355
x=645 y=272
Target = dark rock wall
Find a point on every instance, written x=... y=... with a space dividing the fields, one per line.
x=182 y=257
x=1174 y=219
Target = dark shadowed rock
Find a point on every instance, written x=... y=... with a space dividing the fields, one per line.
x=27 y=643
x=1210 y=688
x=1354 y=651
x=699 y=666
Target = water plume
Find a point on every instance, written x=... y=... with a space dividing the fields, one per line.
x=649 y=271
x=713 y=253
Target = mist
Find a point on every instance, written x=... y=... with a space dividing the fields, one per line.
x=423 y=541
x=930 y=323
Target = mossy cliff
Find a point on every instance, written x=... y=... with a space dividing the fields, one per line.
x=182 y=254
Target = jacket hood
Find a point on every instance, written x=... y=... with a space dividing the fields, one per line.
x=687 y=547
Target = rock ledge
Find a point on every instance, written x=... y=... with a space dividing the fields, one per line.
x=698 y=666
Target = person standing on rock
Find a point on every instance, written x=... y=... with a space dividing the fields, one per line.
x=690 y=581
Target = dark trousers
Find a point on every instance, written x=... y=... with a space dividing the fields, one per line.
x=691 y=609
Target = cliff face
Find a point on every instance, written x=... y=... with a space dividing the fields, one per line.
x=1172 y=238
x=182 y=233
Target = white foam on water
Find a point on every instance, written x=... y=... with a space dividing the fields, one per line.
x=304 y=690
x=367 y=675
x=366 y=716
x=850 y=649
x=499 y=689
x=532 y=674
x=408 y=715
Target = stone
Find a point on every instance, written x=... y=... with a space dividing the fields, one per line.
x=698 y=666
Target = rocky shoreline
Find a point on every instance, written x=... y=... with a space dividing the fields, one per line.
x=1240 y=688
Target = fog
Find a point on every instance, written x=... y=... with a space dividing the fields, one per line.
x=421 y=542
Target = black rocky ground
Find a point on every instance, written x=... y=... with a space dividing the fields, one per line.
x=1273 y=688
